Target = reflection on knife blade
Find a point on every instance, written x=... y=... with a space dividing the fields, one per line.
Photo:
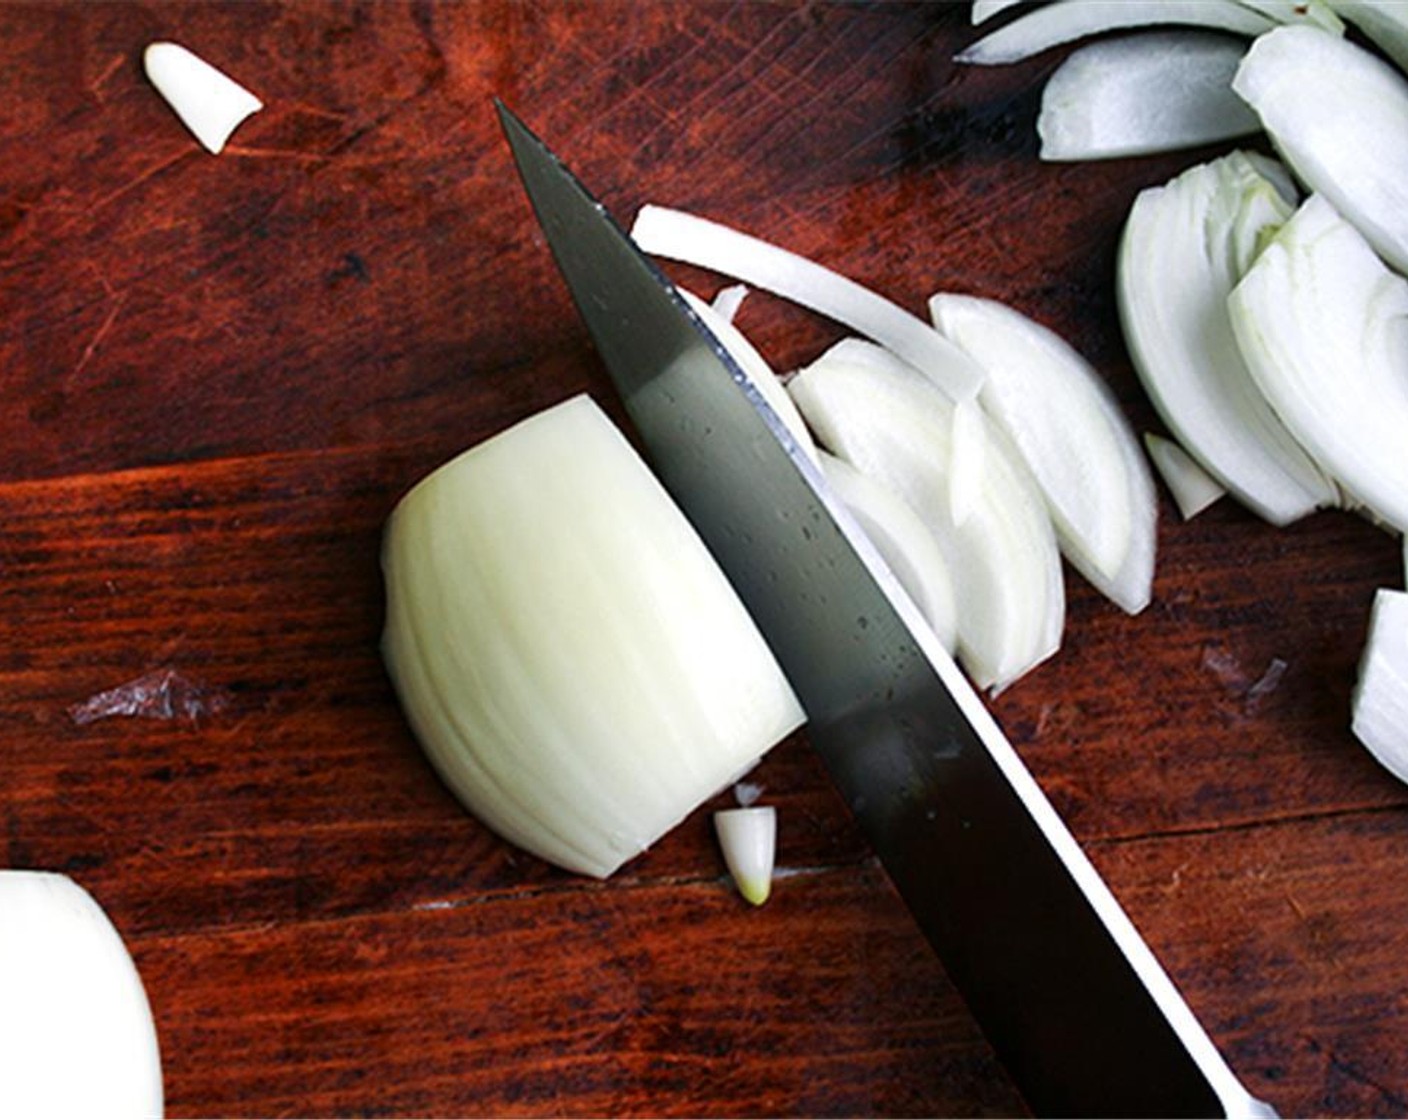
x=1071 y=997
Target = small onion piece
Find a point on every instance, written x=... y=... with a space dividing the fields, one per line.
x=1064 y=21
x=748 y=840
x=1065 y=425
x=209 y=102
x=903 y=541
x=568 y=653
x=886 y=419
x=1338 y=115
x=984 y=10
x=708 y=244
x=1185 y=246
x=1312 y=13
x=77 y=1038
x=1323 y=326
x=1193 y=489
x=1379 y=703
x=1156 y=91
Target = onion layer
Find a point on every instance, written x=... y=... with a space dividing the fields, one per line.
x=1323 y=326
x=890 y=422
x=1380 y=700
x=568 y=653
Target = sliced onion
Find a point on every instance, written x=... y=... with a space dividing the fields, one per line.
x=1185 y=246
x=984 y=10
x=209 y=102
x=568 y=653
x=1193 y=489
x=728 y=300
x=1323 y=325
x=887 y=420
x=904 y=543
x=77 y=1037
x=1064 y=21
x=707 y=244
x=1138 y=94
x=1383 y=21
x=755 y=367
x=1065 y=425
x=1379 y=703
x=1312 y=13
x=1338 y=115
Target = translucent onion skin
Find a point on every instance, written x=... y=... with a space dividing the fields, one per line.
x=568 y=653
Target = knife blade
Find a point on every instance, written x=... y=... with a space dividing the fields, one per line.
x=1071 y=997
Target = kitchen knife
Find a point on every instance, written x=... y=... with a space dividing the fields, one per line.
x=1071 y=998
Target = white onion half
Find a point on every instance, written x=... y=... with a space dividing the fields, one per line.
x=1064 y=423
x=77 y=1037
x=1158 y=91
x=903 y=541
x=1379 y=703
x=890 y=422
x=1064 y=21
x=568 y=653
x=1338 y=115
x=1323 y=325
x=1185 y=246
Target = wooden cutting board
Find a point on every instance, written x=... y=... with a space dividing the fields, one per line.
x=217 y=374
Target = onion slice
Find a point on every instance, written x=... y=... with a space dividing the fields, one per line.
x=1067 y=428
x=1338 y=115
x=1193 y=489
x=1379 y=703
x=1158 y=91
x=984 y=10
x=1323 y=325
x=1383 y=21
x=568 y=653
x=707 y=244
x=887 y=420
x=77 y=1037
x=1185 y=246
x=209 y=102
x=903 y=541
x=1064 y=21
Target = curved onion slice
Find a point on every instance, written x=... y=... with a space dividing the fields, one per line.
x=903 y=541
x=1383 y=21
x=1313 y=13
x=706 y=244
x=209 y=102
x=1066 y=426
x=568 y=653
x=1379 y=704
x=76 y=1032
x=1064 y=21
x=748 y=840
x=984 y=10
x=1138 y=94
x=1193 y=489
x=755 y=367
x=1338 y=115
x=890 y=422
x=1184 y=248
x=1323 y=325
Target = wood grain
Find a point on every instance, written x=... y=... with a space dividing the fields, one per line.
x=217 y=374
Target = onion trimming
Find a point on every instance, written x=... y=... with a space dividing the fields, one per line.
x=1192 y=488
x=209 y=102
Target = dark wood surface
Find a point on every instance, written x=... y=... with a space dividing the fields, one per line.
x=217 y=374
